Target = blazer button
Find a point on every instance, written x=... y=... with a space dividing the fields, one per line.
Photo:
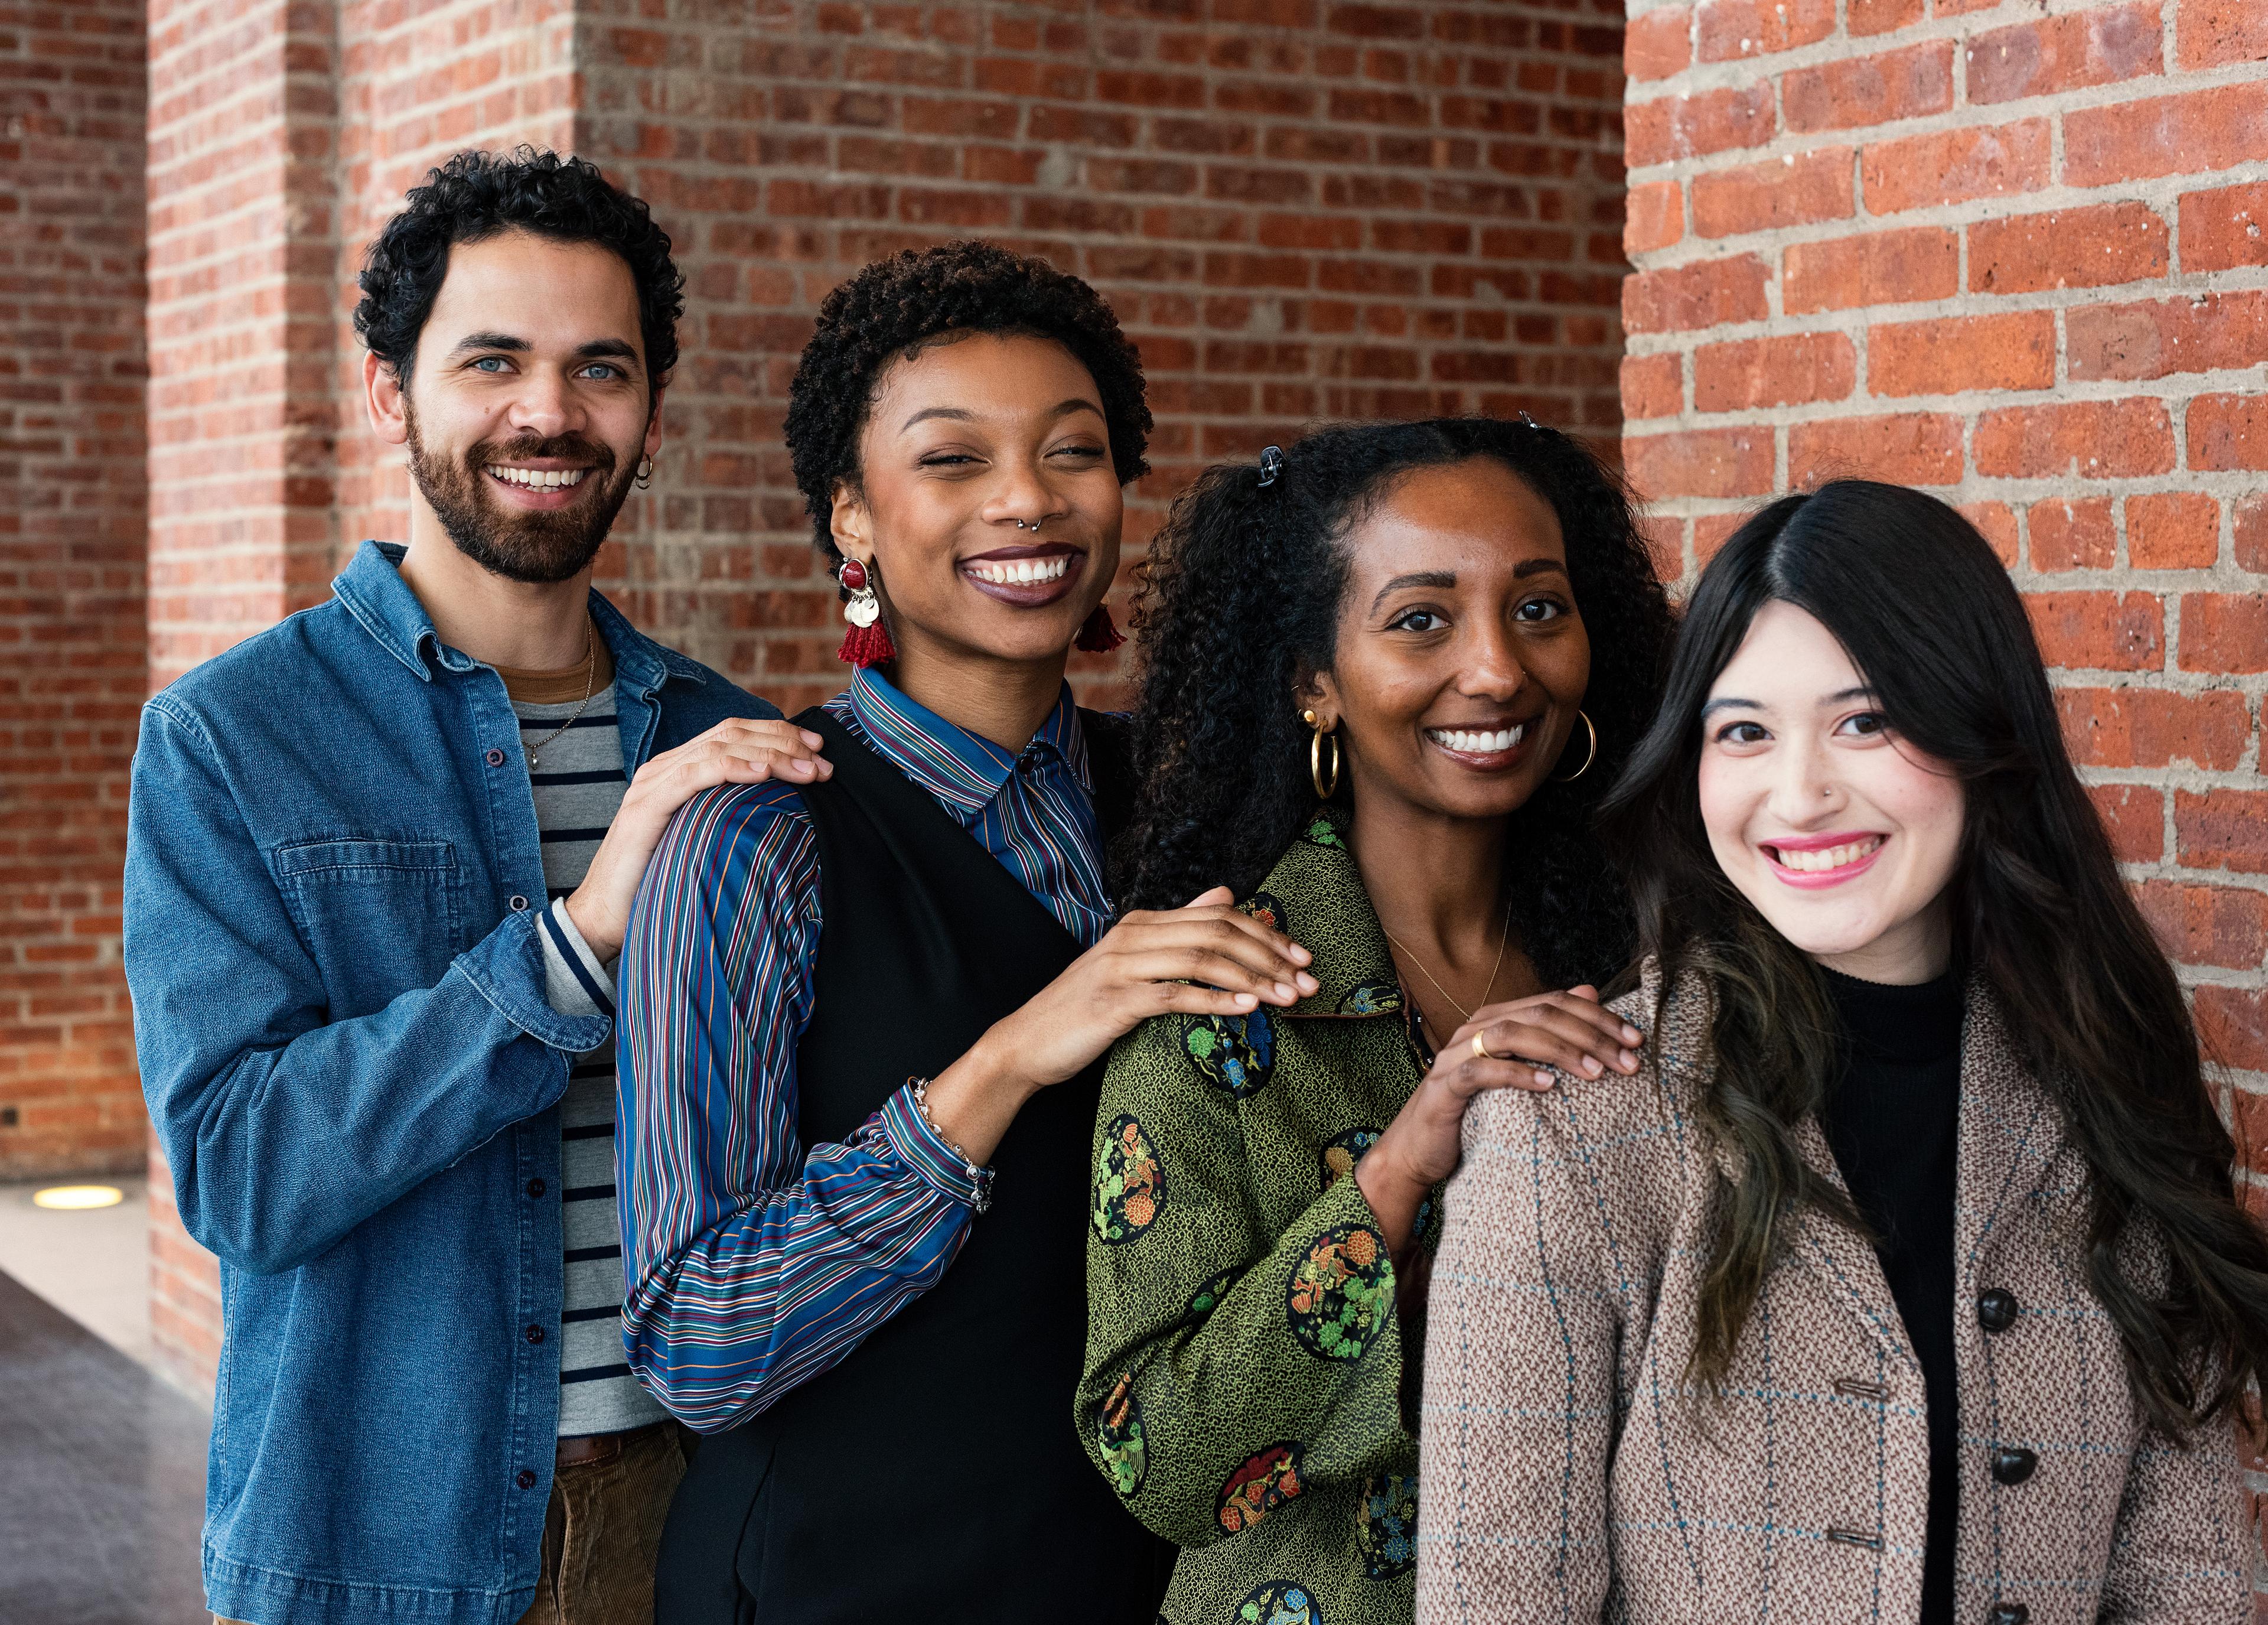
x=1995 y=1310
x=525 y=1480
x=2010 y=1614
x=496 y=757
x=2011 y=1464
x=534 y=1335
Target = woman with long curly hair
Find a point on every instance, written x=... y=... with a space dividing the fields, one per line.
x=1913 y=1286
x=863 y=1016
x=1370 y=704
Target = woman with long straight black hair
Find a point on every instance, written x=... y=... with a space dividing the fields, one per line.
x=1914 y=1287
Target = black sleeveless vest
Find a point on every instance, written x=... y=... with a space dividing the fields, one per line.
x=934 y=1475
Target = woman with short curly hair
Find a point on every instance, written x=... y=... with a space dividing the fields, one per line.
x=1370 y=704
x=863 y=1030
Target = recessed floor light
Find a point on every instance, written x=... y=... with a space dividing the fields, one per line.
x=75 y=1197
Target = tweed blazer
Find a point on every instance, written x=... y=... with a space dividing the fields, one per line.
x=1566 y=1473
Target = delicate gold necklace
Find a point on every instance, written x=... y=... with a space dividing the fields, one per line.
x=1503 y=942
x=590 y=676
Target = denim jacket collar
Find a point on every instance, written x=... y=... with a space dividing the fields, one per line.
x=374 y=592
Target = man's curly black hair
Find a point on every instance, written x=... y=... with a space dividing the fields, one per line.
x=474 y=197
x=1242 y=606
x=890 y=308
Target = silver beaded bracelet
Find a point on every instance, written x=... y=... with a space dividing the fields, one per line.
x=981 y=1178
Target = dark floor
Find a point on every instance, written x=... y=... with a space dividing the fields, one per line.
x=102 y=1478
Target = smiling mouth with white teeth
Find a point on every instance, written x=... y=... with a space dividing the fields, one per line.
x=1823 y=858
x=538 y=479
x=1477 y=742
x=1021 y=571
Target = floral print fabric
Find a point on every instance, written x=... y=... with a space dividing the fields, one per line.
x=1244 y=1357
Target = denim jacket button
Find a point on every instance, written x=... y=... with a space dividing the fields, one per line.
x=534 y=1335
x=519 y=903
x=496 y=757
x=536 y=1187
x=525 y=1478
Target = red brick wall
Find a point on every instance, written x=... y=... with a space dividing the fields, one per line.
x=243 y=241
x=243 y=104
x=1300 y=209
x=2020 y=260
x=71 y=513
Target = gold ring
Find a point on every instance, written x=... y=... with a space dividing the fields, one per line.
x=1481 y=1048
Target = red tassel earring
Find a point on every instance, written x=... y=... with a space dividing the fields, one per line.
x=867 y=642
x=1099 y=634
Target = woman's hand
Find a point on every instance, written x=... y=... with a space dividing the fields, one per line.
x=1208 y=958
x=738 y=751
x=1571 y=1031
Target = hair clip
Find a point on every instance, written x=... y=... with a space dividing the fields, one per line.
x=1530 y=422
x=1271 y=463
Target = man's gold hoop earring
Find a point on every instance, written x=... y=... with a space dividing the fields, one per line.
x=644 y=476
x=1323 y=789
x=1589 y=756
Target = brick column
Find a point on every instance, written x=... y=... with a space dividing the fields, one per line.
x=2021 y=261
x=243 y=101
x=71 y=511
x=243 y=285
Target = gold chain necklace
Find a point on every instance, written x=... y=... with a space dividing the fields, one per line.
x=590 y=675
x=1503 y=942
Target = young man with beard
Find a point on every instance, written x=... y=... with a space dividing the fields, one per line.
x=380 y=860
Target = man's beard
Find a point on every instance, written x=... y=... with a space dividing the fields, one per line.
x=541 y=548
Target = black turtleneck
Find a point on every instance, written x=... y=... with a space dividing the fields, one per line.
x=1892 y=1120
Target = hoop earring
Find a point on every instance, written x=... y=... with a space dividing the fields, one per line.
x=1323 y=791
x=1589 y=756
x=644 y=478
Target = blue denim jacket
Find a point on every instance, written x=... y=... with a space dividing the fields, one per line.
x=333 y=879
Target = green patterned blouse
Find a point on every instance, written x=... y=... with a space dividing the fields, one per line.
x=1244 y=1362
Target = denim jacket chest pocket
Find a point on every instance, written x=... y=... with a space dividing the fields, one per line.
x=379 y=915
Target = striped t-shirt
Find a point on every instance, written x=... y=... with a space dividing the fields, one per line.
x=578 y=784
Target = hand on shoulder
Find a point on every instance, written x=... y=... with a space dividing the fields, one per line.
x=738 y=750
x=1507 y=1046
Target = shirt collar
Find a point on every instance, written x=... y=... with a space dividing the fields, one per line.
x=374 y=592
x=954 y=765
x=1317 y=898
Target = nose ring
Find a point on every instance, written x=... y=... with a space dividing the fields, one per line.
x=1035 y=525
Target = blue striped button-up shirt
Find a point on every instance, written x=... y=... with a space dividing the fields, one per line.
x=754 y=1261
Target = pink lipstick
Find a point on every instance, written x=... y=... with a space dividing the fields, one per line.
x=1813 y=862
